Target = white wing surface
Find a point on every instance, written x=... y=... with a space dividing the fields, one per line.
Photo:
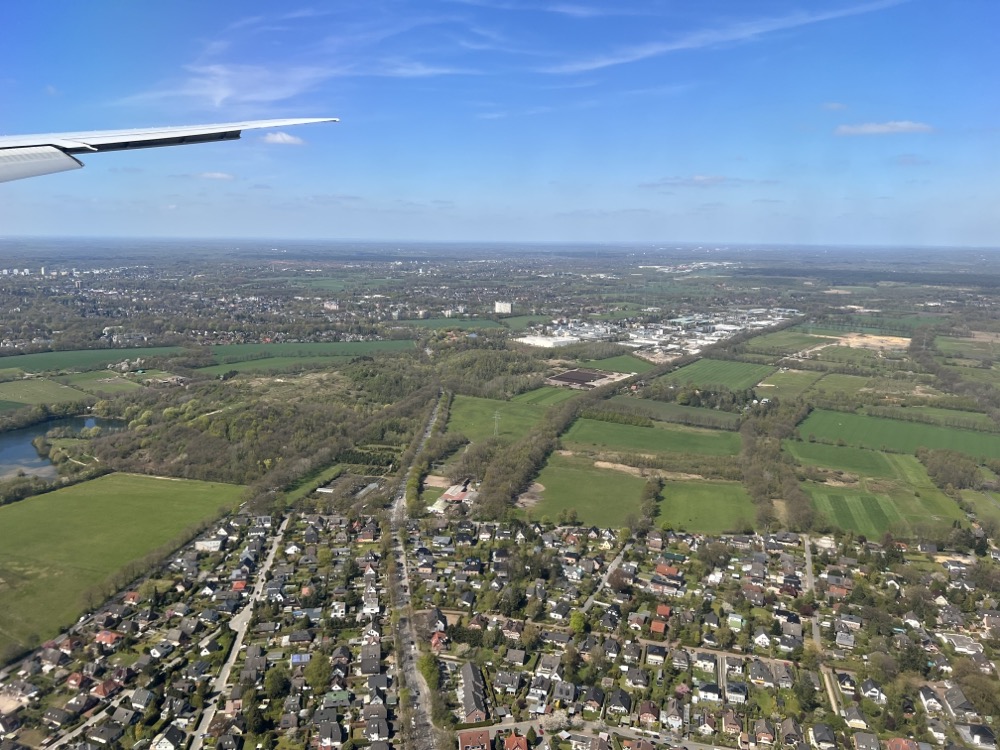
x=32 y=155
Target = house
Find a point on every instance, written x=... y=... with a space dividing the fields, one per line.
x=930 y=700
x=620 y=702
x=473 y=694
x=866 y=741
x=761 y=639
x=821 y=737
x=763 y=732
x=854 y=718
x=564 y=692
x=507 y=682
x=706 y=723
x=515 y=742
x=649 y=713
x=737 y=692
x=977 y=735
x=655 y=655
x=790 y=733
x=673 y=715
x=705 y=661
x=760 y=674
x=709 y=692
x=871 y=690
x=474 y=739
x=732 y=722
x=594 y=699
x=902 y=743
x=681 y=660
x=171 y=738
x=957 y=703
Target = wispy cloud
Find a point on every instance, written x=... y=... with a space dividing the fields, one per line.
x=574 y=10
x=892 y=127
x=739 y=32
x=215 y=176
x=283 y=139
x=834 y=106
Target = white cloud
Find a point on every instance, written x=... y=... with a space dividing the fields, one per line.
x=283 y=139
x=215 y=176
x=739 y=32
x=834 y=106
x=884 y=128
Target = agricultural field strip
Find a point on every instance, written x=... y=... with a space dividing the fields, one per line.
x=710 y=372
x=592 y=433
x=880 y=433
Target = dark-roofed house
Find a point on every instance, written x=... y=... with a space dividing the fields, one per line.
x=473 y=695
x=474 y=739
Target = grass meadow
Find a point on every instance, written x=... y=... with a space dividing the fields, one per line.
x=473 y=417
x=788 y=341
x=38 y=391
x=706 y=507
x=787 y=383
x=708 y=373
x=878 y=433
x=601 y=497
x=57 y=546
x=669 y=412
x=592 y=434
x=547 y=395
x=99 y=382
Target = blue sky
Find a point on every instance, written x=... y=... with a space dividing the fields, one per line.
x=817 y=121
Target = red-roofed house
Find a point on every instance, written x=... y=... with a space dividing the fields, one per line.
x=474 y=739
x=515 y=742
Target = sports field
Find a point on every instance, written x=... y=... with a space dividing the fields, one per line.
x=670 y=412
x=38 y=391
x=708 y=373
x=893 y=435
x=55 y=547
x=787 y=341
x=622 y=363
x=787 y=383
x=601 y=497
x=547 y=395
x=706 y=507
x=474 y=417
x=593 y=434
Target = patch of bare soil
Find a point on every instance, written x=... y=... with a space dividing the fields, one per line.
x=637 y=472
x=871 y=341
x=564 y=453
x=532 y=497
x=781 y=510
x=433 y=480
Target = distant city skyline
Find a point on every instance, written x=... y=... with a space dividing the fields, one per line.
x=834 y=122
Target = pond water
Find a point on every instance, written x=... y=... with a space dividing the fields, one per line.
x=17 y=452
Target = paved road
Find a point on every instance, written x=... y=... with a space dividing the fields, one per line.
x=419 y=735
x=239 y=624
x=811 y=586
x=122 y=697
x=607 y=574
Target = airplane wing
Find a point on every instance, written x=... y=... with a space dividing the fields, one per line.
x=33 y=155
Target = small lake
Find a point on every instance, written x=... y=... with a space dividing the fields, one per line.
x=17 y=452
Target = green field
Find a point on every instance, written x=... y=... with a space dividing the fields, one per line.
x=55 y=547
x=547 y=395
x=835 y=384
x=787 y=342
x=709 y=373
x=706 y=507
x=275 y=363
x=84 y=359
x=99 y=382
x=601 y=497
x=521 y=322
x=670 y=412
x=976 y=349
x=854 y=460
x=855 y=510
x=95 y=359
x=969 y=420
x=38 y=391
x=878 y=433
x=590 y=434
x=622 y=363
x=985 y=504
x=895 y=495
x=473 y=417
x=225 y=353
x=787 y=383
